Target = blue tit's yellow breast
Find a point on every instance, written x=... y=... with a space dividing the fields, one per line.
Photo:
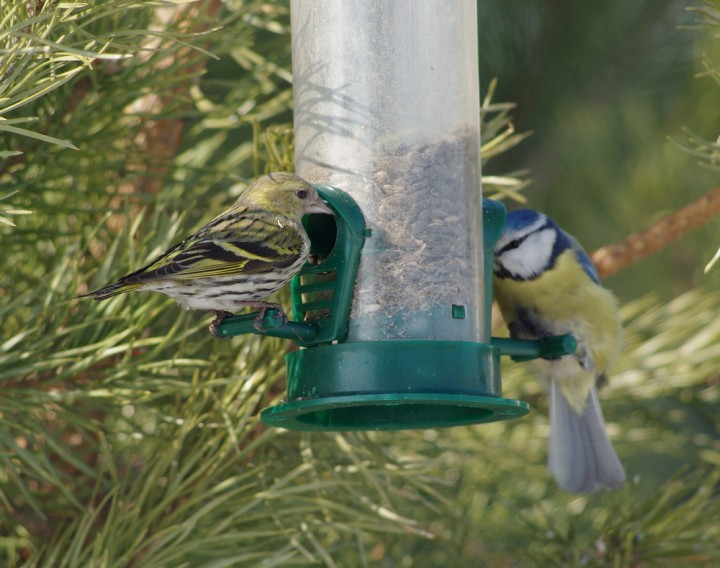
x=565 y=299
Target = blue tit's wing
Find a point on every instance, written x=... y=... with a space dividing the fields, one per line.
x=584 y=259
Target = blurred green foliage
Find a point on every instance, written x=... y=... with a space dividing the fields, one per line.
x=129 y=436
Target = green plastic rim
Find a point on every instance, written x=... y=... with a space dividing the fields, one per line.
x=393 y=385
x=392 y=412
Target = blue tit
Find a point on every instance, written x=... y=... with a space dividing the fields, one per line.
x=546 y=285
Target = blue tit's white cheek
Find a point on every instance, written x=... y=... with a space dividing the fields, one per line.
x=532 y=257
x=519 y=264
x=540 y=246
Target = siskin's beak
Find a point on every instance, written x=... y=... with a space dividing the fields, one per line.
x=319 y=206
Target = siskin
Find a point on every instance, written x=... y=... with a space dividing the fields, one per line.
x=237 y=259
x=546 y=285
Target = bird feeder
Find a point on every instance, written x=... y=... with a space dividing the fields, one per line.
x=392 y=312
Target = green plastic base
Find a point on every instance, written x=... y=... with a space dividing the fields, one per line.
x=392 y=412
x=393 y=385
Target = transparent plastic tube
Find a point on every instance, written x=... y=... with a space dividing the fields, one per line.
x=387 y=109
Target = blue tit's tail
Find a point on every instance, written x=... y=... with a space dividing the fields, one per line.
x=582 y=459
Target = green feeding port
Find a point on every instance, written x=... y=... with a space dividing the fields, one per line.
x=336 y=383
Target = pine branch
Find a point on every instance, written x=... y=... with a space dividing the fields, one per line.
x=612 y=258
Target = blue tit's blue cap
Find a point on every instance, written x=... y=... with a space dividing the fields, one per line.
x=521 y=218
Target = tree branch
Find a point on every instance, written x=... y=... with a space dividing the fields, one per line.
x=613 y=258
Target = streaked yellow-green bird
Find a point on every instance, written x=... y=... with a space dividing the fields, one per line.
x=240 y=257
x=546 y=285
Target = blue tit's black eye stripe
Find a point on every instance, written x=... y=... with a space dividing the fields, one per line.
x=512 y=245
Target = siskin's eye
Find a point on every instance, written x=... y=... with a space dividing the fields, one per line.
x=301 y=193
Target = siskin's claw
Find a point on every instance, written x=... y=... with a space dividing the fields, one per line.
x=219 y=317
x=257 y=324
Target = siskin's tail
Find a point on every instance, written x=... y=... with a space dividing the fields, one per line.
x=582 y=458
x=112 y=290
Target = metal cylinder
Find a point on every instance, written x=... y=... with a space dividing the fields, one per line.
x=387 y=108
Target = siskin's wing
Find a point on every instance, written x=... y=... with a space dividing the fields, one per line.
x=243 y=242
x=226 y=247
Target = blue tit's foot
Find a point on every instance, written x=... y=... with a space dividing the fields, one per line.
x=601 y=381
x=585 y=358
x=543 y=341
x=516 y=329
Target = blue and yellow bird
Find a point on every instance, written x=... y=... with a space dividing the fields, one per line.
x=545 y=284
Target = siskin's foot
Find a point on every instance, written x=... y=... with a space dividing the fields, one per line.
x=257 y=324
x=219 y=317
